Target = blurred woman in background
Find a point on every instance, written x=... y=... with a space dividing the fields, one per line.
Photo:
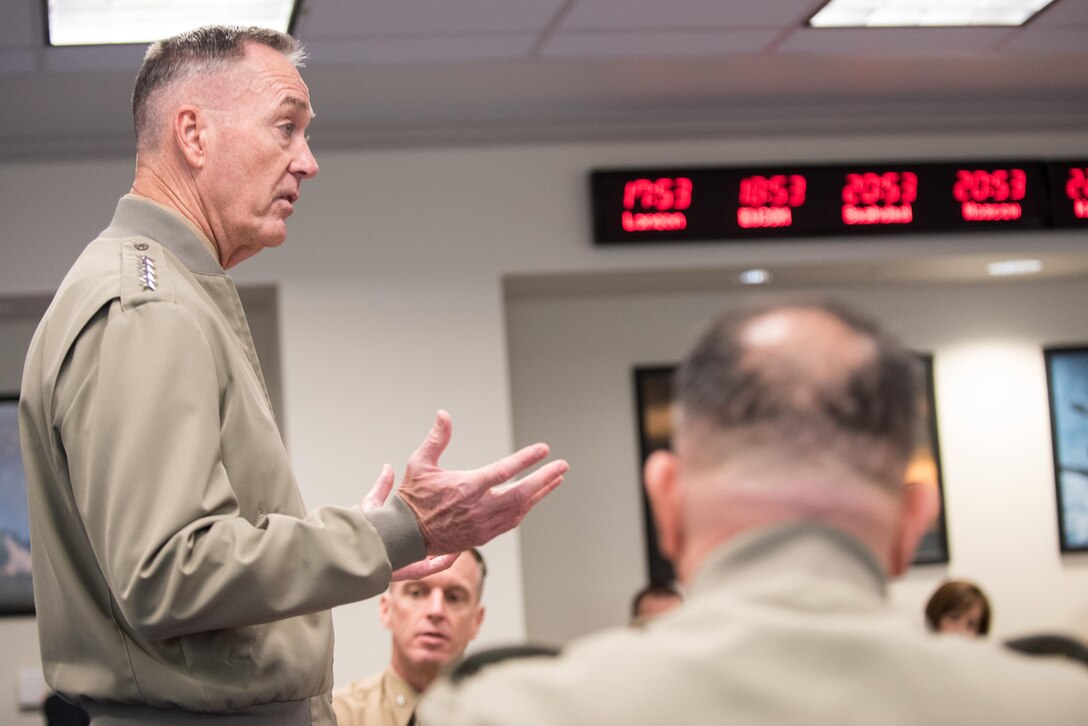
x=959 y=606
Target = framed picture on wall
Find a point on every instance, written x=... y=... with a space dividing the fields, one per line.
x=16 y=594
x=1067 y=384
x=925 y=467
x=653 y=396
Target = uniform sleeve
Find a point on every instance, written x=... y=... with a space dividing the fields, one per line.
x=140 y=424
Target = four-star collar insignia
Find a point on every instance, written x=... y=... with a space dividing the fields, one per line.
x=145 y=268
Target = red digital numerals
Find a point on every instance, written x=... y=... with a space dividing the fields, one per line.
x=656 y=205
x=879 y=198
x=990 y=195
x=1076 y=189
x=769 y=201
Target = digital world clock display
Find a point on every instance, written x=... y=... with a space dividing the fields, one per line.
x=868 y=198
x=1069 y=190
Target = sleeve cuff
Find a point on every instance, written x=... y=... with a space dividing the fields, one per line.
x=397 y=526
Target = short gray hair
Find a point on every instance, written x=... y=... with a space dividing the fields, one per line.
x=204 y=50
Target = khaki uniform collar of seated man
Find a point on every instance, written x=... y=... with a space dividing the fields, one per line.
x=432 y=621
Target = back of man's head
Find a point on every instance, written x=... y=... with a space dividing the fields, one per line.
x=805 y=382
x=801 y=410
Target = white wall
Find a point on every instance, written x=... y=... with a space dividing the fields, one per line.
x=391 y=301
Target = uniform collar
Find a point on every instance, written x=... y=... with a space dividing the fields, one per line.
x=139 y=216
x=805 y=563
x=400 y=698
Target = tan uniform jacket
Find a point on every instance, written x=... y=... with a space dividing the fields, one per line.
x=174 y=562
x=789 y=626
x=384 y=699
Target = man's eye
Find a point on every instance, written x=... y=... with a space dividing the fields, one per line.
x=288 y=129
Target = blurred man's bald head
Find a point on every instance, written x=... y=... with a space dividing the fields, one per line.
x=801 y=380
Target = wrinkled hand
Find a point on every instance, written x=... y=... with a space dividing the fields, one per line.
x=423 y=568
x=374 y=499
x=461 y=509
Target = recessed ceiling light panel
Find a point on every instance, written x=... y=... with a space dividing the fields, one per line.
x=757 y=276
x=107 y=22
x=1003 y=268
x=925 y=13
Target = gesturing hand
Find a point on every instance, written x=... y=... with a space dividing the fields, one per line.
x=461 y=509
x=374 y=499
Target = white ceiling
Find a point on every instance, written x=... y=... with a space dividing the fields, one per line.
x=390 y=72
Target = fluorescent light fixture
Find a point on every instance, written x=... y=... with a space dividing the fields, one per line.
x=106 y=22
x=755 y=277
x=924 y=13
x=1014 y=267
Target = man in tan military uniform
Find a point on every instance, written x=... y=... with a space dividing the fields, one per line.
x=783 y=507
x=432 y=621
x=178 y=577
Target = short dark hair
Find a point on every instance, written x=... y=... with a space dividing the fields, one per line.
x=955 y=597
x=478 y=556
x=206 y=49
x=652 y=590
x=863 y=416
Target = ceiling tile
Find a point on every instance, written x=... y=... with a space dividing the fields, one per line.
x=1040 y=39
x=368 y=18
x=660 y=43
x=1063 y=12
x=625 y=14
x=424 y=49
x=23 y=60
x=95 y=58
x=21 y=25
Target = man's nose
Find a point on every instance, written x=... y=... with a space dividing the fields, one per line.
x=436 y=604
x=304 y=164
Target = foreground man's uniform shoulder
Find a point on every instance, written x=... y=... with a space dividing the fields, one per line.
x=534 y=686
x=788 y=626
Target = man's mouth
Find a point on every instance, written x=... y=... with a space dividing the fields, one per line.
x=433 y=637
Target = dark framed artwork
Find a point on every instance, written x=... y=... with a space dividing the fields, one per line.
x=1067 y=385
x=925 y=467
x=653 y=396
x=16 y=593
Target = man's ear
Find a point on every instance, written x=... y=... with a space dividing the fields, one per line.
x=477 y=621
x=666 y=502
x=189 y=135
x=918 y=510
x=384 y=607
